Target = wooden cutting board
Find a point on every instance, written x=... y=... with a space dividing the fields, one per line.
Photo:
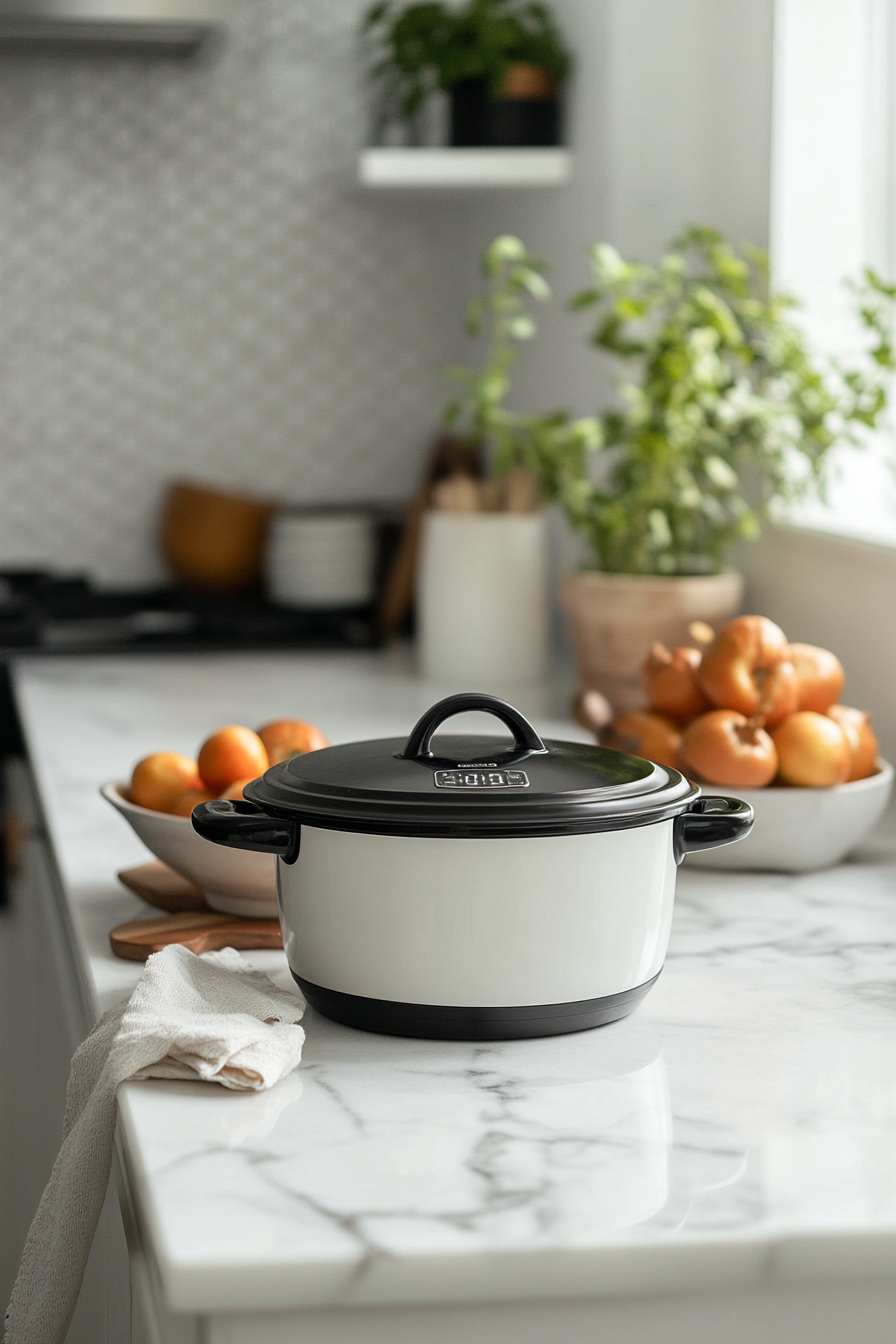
x=198 y=930
x=159 y=885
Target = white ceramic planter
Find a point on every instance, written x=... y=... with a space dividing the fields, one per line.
x=617 y=617
x=482 y=598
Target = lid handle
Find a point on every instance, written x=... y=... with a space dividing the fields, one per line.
x=525 y=737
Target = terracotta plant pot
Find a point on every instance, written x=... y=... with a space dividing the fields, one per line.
x=212 y=540
x=616 y=617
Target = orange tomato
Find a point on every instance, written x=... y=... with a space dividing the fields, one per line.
x=160 y=779
x=724 y=747
x=813 y=750
x=290 y=737
x=184 y=805
x=229 y=754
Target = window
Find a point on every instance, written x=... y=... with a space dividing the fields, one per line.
x=833 y=180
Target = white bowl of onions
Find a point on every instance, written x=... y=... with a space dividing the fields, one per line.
x=759 y=717
x=798 y=830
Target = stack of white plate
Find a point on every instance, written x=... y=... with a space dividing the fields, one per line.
x=321 y=559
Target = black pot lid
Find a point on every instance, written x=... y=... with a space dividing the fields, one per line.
x=471 y=785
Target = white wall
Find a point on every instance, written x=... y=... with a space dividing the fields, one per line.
x=192 y=283
x=670 y=124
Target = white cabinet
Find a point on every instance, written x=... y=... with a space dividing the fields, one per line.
x=43 y=1018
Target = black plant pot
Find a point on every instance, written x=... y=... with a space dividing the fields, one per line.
x=478 y=119
x=469 y=112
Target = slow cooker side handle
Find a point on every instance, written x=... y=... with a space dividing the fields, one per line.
x=239 y=824
x=419 y=744
x=709 y=823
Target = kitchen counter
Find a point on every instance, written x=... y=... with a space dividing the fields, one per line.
x=731 y=1145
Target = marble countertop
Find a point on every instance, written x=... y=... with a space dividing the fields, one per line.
x=739 y=1128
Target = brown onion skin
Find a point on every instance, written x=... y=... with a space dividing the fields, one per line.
x=643 y=733
x=856 y=724
x=671 y=682
x=813 y=750
x=819 y=675
x=724 y=748
x=746 y=668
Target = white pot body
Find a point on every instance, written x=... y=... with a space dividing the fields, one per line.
x=479 y=922
x=482 y=598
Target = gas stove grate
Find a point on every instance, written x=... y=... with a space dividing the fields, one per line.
x=42 y=612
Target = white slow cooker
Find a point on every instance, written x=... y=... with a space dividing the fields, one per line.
x=474 y=890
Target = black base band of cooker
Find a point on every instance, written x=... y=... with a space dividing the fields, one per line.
x=434 y=1022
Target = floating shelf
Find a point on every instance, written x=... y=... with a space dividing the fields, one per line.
x=431 y=168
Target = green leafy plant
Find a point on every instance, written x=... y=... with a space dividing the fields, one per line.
x=430 y=46
x=726 y=416
x=553 y=447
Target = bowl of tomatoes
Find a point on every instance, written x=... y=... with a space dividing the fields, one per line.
x=158 y=800
x=746 y=709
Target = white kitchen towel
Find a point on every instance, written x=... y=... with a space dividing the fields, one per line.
x=212 y=1018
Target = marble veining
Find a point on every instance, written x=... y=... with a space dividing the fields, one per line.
x=740 y=1126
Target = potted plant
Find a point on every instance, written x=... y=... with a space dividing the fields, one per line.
x=482 y=573
x=501 y=62
x=725 y=417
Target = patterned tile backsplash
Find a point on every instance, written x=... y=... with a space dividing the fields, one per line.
x=191 y=284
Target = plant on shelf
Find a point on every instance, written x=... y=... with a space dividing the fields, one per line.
x=499 y=60
x=727 y=416
x=523 y=451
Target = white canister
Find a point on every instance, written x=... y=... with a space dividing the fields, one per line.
x=321 y=559
x=482 y=598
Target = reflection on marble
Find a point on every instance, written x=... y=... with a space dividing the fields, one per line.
x=739 y=1127
x=413 y=1150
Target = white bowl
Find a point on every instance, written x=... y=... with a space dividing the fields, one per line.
x=235 y=881
x=798 y=830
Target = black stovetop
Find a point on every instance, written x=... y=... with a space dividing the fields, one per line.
x=47 y=613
